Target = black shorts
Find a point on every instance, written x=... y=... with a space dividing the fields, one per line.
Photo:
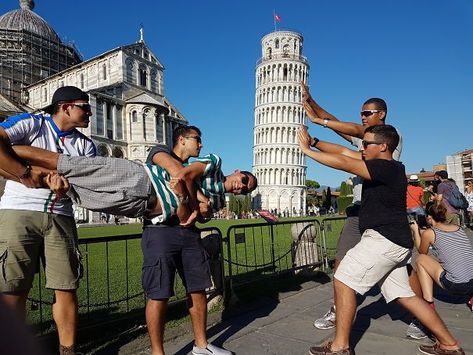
x=167 y=249
x=465 y=288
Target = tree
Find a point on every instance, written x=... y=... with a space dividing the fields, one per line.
x=328 y=199
x=312 y=184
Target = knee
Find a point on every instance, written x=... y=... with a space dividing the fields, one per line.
x=66 y=296
x=420 y=261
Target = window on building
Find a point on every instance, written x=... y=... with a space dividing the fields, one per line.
x=134 y=117
x=143 y=77
x=276 y=44
x=82 y=81
x=109 y=120
x=118 y=122
x=104 y=71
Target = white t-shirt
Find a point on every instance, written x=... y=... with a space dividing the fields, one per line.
x=41 y=131
x=358 y=181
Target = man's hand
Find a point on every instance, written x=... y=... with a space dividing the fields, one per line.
x=306 y=101
x=57 y=183
x=35 y=177
x=178 y=187
x=304 y=139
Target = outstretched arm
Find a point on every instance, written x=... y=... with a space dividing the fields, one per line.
x=328 y=147
x=334 y=160
x=317 y=114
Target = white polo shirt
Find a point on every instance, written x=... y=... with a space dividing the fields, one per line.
x=41 y=131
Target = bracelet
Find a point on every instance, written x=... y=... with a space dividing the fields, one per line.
x=316 y=140
x=326 y=122
x=27 y=172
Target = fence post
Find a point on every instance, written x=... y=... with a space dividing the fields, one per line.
x=273 y=258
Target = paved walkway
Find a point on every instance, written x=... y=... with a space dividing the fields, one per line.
x=284 y=326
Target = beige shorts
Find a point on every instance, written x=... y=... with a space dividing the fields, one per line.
x=376 y=259
x=26 y=238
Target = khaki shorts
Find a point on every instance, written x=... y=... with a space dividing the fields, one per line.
x=375 y=259
x=26 y=238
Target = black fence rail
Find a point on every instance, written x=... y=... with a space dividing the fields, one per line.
x=331 y=228
x=111 y=285
x=255 y=251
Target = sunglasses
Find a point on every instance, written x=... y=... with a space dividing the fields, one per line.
x=365 y=144
x=197 y=138
x=83 y=105
x=367 y=113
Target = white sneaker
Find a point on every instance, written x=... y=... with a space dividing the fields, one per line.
x=416 y=330
x=210 y=350
x=327 y=321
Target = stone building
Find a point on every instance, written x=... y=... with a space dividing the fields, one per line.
x=130 y=113
x=460 y=167
x=278 y=162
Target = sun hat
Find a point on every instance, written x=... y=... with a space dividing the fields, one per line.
x=413 y=178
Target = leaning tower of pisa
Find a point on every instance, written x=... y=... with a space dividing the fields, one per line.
x=278 y=162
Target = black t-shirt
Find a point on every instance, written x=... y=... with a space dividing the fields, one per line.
x=159 y=148
x=383 y=201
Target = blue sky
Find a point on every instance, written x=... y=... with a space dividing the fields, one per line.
x=416 y=54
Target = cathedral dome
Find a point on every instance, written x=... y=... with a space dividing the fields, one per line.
x=24 y=19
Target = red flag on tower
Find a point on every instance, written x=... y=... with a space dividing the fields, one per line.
x=277 y=18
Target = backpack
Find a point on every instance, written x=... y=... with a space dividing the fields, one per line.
x=456 y=199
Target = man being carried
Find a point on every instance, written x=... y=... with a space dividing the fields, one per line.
x=127 y=188
x=381 y=255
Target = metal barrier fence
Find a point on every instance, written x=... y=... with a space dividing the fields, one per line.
x=255 y=251
x=111 y=285
x=331 y=228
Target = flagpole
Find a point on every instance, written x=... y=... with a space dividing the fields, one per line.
x=274 y=19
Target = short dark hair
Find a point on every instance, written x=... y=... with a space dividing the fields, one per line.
x=437 y=210
x=442 y=174
x=379 y=103
x=182 y=130
x=385 y=134
x=251 y=178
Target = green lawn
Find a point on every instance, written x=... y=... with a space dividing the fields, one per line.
x=111 y=285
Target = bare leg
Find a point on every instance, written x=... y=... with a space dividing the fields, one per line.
x=345 y=302
x=197 y=303
x=429 y=270
x=37 y=156
x=429 y=317
x=414 y=282
x=17 y=302
x=65 y=316
x=155 y=320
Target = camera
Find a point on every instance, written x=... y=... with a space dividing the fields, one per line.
x=419 y=218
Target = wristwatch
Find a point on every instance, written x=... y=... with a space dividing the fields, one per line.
x=316 y=140
x=326 y=121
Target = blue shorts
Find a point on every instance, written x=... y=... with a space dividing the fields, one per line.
x=465 y=288
x=170 y=248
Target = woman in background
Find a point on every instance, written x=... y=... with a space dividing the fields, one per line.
x=453 y=271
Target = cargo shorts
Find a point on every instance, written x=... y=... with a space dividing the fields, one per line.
x=29 y=236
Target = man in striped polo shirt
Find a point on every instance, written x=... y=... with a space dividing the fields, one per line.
x=35 y=223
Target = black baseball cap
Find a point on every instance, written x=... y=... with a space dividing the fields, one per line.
x=66 y=94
